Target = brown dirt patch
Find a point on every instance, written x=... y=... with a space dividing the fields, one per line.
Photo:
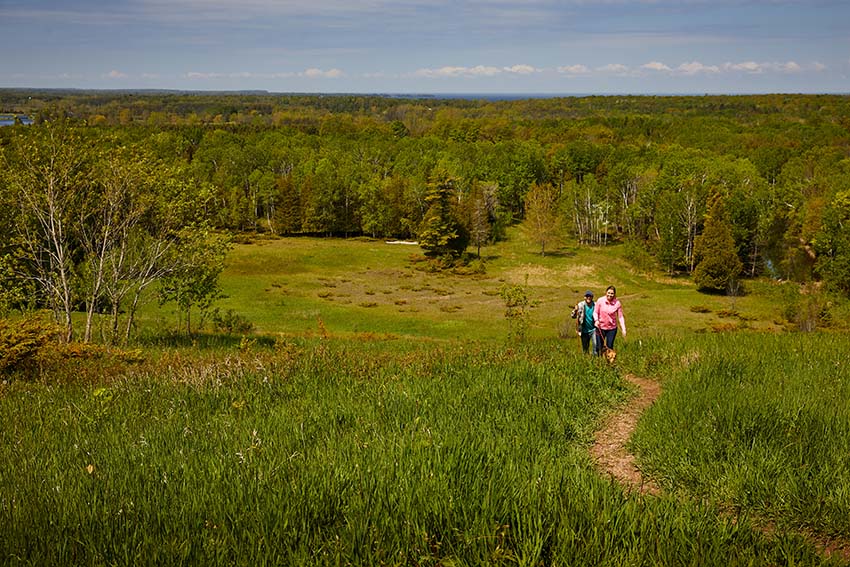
x=609 y=445
x=541 y=276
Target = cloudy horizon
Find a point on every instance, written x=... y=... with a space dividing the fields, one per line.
x=430 y=46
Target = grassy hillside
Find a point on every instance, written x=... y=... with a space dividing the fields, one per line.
x=342 y=452
x=380 y=416
x=761 y=423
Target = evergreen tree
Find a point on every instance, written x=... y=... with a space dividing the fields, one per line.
x=441 y=233
x=718 y=263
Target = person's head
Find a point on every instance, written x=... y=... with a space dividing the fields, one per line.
x=611 y=292
x=588 y=296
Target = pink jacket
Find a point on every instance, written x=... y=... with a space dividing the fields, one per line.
x=605 y=315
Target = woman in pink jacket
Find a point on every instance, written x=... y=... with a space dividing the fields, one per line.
x=606 y=314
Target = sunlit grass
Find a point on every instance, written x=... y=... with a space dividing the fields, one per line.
x=327 y=452
x=760 y=423
x=379 y=415
x=285 y=286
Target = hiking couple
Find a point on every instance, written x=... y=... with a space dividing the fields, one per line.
x=597 y=321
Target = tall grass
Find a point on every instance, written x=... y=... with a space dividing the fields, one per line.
x=761 y=422
x=330 y=453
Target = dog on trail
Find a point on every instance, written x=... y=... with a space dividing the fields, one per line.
x=609 y=354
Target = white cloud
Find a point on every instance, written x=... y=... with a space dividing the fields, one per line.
x=484 y=71
x=695 y=67
x=321 y=74
x=451 y=72
x=747 y=66
x=194 y=75
x=759 y=68
x=115 y=75
x=441 y=72
x=311 y=73
x=656 y=66
x=521 y=69
x=613 y=68
x=574 y=70
x=690 y=68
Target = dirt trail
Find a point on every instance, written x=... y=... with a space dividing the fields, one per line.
x=609 y=444
x=611 y=456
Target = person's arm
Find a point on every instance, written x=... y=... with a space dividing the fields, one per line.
x=579 y=317
x=622 y=318
x=596 y=314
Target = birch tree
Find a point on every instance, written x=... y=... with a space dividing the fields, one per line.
x=49 y=174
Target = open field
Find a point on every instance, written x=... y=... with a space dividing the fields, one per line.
x=355 y=286
x=379 y=415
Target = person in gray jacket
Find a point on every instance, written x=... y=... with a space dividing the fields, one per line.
x=583 y=314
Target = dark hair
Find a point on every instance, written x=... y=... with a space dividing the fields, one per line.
x=611 y=288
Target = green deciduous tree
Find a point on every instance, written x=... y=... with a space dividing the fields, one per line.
x=832 y=244
x=154 y=208
x=197 y=260
x=588 y=208
x=542 y=222
x=96 y=224
x=48 y=174
x=482 y=209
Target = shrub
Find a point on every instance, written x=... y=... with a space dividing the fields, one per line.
x=638 y=255
x=805 y=308
x=231 y=322
x=22 y=340
x=517 y=308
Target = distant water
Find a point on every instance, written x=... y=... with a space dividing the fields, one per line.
x=9 y=120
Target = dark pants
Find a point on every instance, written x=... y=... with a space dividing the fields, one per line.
x=605 y=336
x=585 y=341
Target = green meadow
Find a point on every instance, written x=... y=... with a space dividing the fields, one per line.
x=378 y=414
x=360 y=286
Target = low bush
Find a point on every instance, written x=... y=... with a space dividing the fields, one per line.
x=231 y=322
x=23 y=341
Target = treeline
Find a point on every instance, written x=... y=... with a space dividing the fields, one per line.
x=683 y=178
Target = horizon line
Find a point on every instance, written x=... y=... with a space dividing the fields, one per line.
x=425 y=94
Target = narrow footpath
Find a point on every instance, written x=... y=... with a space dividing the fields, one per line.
x=611 y=456
x=609 y=444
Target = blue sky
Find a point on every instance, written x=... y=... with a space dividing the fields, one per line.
x=429 y=46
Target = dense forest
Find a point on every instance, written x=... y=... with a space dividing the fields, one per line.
x=716 y=186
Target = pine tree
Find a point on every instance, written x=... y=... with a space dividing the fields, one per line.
x=440 y=233
x=718 y=263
